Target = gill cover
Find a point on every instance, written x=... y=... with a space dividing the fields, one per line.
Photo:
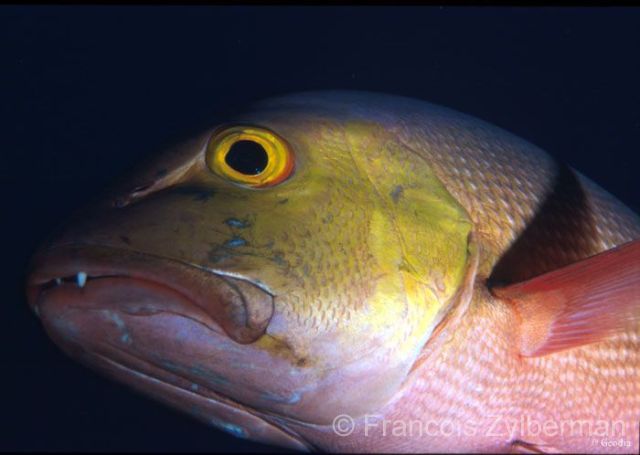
x=418 y=233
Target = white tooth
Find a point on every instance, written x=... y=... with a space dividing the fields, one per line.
x=81 y=279
x=58 y=280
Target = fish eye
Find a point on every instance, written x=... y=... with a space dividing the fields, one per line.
x=250 y=156
x=247 y=157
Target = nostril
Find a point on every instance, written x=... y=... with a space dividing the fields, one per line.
x=160 y=180
x=134 y=193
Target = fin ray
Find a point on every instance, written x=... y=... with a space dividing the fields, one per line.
x=579 y=304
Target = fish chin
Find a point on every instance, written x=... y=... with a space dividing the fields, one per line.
x=151 y=336
x=200 y=402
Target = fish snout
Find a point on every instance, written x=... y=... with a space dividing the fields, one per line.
x=170 y=330
x=141 y=334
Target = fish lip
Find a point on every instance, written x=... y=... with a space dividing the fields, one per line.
x=104 y=261
x=48 y=254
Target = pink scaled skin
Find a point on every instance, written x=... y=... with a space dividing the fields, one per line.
x=471 y=391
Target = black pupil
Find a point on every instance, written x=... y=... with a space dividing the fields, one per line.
x=247 y=157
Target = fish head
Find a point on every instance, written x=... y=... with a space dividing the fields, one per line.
x=296 y=285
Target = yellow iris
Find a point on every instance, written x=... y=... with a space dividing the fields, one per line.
x=276 y=167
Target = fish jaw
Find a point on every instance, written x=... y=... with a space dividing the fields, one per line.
x=142 y=327
x=149 y=322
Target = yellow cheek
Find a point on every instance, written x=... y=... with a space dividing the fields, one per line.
x=402 y=307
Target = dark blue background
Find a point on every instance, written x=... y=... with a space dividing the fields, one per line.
x=86 y=91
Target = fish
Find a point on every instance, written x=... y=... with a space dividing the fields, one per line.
x=359 y=272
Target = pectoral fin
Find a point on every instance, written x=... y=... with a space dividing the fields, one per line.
x=578 y=304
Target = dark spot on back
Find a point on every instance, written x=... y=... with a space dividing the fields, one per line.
x=562 y=231
x=161 y=172
x=125 y=239
x=283 y=201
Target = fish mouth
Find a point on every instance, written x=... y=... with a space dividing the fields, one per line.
x=223 y=302
x=162 y=326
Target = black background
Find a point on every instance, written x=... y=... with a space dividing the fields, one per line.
x=86 y=91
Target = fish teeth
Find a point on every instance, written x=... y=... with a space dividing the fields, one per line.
x=81 y=279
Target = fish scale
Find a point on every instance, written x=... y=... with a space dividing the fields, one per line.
x=477 y=163
x=416 y=266
x=492 y=203
x=455 y=144
x=446 y=389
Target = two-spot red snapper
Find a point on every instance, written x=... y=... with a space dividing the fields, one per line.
x=360 y=272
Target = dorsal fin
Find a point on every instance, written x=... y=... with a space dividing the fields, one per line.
x=579 y=304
